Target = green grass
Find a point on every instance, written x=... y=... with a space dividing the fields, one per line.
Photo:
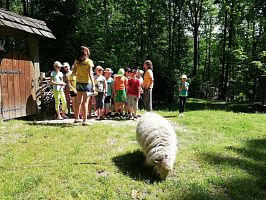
x=222 y=155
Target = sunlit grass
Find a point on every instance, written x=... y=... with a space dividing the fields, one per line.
x=221 y=156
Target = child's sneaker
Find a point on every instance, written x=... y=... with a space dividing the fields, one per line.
x=115 y=115
x=121 y=116
x=135 y=117
x=129 y=117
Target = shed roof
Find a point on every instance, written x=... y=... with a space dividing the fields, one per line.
x=11 y=23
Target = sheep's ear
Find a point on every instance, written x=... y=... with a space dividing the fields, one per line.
x=158 y=160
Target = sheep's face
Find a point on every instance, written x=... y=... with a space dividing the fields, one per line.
x=163 y=166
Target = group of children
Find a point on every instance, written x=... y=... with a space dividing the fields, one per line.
x=123 y=89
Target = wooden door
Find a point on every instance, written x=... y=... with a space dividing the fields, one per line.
x=17 y=81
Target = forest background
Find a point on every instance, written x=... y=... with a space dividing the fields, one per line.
x=218 y=44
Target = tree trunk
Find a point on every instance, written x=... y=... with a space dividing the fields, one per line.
x=230 y=38
x=24 y=7
x=173 y=34
x=195 y=63
x=223 y=57
x=7 y=4
x=169 y=36
x=179 y=40
x=141 y=43
x=31 y=9
x=209 y=61
x=106 y=16
x=149 y=30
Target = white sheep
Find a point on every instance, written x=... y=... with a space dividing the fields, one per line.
x=157 y=139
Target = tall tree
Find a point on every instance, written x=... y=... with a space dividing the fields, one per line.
x=194 y=15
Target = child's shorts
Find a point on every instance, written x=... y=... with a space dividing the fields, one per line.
x=121 y=96
x=73 y=94
x=132 y=101
x=107 y=101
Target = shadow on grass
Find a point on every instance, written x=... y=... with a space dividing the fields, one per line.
x=131 y=164
x=201 y=104
x=252 y=161
x=57 y=124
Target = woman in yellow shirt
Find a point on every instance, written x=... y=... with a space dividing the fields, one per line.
x=148 y=85
x=84 y=82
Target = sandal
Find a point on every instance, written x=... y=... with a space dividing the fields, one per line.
x=65 y=117
x=60 y=118
x=77 y=121
x=86 y=124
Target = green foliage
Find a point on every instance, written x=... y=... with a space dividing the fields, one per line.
x=126 y=33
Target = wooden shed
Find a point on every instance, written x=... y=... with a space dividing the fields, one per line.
x=19 y=73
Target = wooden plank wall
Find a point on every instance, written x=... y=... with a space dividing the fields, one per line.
x=18 y=95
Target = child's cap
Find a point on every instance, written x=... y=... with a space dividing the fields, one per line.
x=65 y=64
x=184 y=76
x=98 y=68
x=133 y=71
x=140 y=71
x=57 y=64
x=120 y=72
x=108 y=70
x=127 y=70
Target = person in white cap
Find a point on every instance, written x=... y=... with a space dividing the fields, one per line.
x=183 y=93
x=101 y=88
x=58 y=89
x=107 y=101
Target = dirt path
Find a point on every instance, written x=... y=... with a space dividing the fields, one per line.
x=93 y=120
x=112 y=122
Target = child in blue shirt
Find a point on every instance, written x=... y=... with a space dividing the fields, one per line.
x=58 y=89
x=183 y=88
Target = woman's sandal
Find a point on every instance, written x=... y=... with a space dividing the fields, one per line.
x=60 y=118
x=77 y=121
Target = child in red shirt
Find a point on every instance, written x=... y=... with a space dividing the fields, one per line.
x=133 y=94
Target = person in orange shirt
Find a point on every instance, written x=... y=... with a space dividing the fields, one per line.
x=120 y=83
x=148 y=85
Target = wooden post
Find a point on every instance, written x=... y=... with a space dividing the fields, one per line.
x=34 y=56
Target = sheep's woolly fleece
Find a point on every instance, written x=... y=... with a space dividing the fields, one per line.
x=157 y=139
